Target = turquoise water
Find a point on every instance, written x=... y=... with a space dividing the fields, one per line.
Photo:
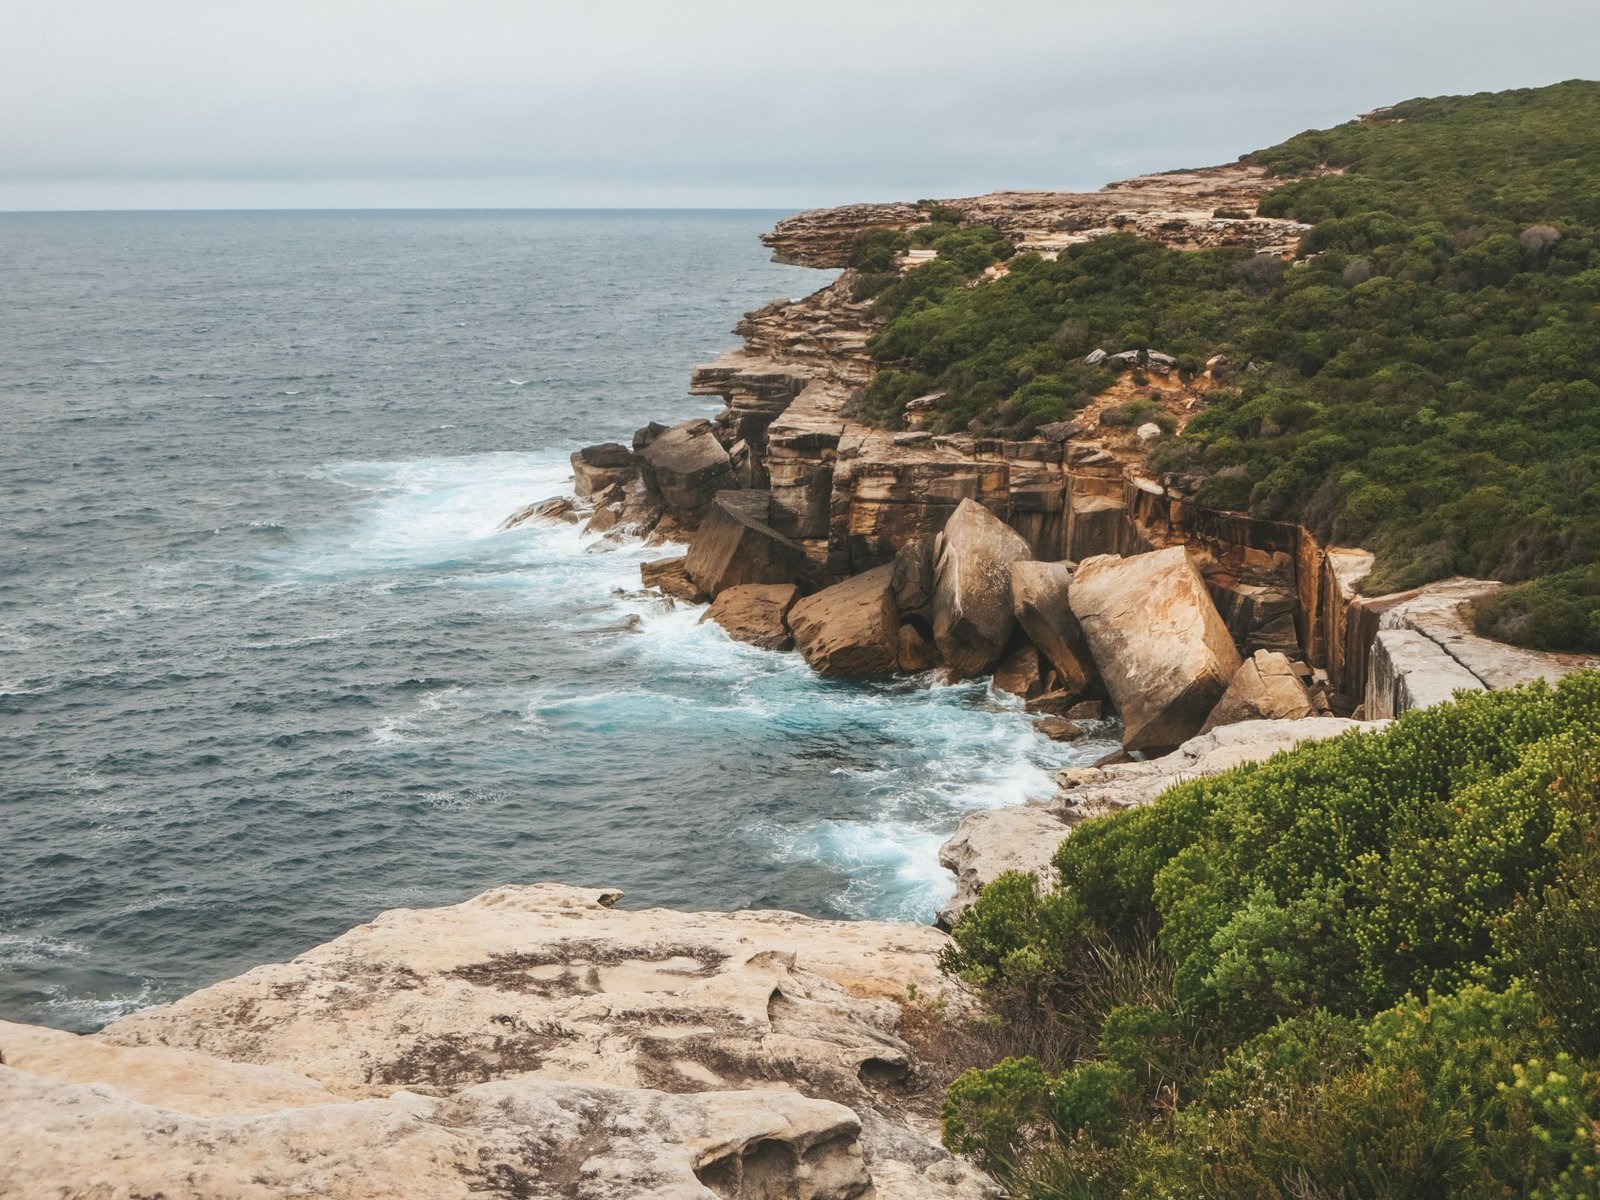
x=267 y=668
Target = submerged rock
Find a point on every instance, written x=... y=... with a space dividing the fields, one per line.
x=851 y=629
x=755 y=613
x=1160 y=645
x=557 y=508
x=972 y=619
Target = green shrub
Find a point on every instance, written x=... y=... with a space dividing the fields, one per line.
x=1558 y=612
x=1238 y=966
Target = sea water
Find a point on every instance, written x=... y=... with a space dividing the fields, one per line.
x=268 y=667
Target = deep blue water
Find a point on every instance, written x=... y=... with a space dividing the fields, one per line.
x=267 y=669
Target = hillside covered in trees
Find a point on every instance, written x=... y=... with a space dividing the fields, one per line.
x=1422 y=379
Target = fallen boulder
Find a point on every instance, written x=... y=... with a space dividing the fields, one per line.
x=1266 y=687
x=972 y=619
x=851 y=629
x=671 y=579
x=755 y=613
x=1160 y=645
x=734 y=545
x=686 y=466
x=595 y=468
x=1039 y=604
x=913 y=576
x=1019 y=674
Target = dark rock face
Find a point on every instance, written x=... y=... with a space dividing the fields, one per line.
x=755 y=613
x=595 y=468
x=686 y=466
x=972 y=619
x=915 y=652
x=851 y=629
x=734 y=545
x=1039 y=603
x=670 y=577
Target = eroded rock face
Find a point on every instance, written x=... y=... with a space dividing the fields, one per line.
x=686 y=466
x=1162 y=649
x=1264 y=688
x=1039 y=604
x=671 y=577
x=972 y=618
x=756 y=613
x=851 y=629
x=595 y=468
x=520 y=1137
x=534 y=1041
x=734 y=545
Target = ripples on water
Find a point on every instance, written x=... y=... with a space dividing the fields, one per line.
x=267 y=668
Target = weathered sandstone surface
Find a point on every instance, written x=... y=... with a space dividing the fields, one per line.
x=972 y=619
x=1161 y=646
x=534 y=1041
x=1264 y=688
x=756 y=613
x=851 y=629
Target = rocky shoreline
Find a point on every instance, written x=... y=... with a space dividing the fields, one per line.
x=538 y=1041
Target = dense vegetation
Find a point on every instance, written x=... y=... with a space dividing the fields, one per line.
x=1428 y=369
x=1364 y=968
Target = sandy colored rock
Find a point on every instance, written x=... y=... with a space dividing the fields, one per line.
x=914 y=652
x=1039 y=604
x=672 y=578
x=1059 y=729
x=1266 y=687
x=549 y=1004
x=972 y=619
x=988 y=843
x=734 y=545
x=685 y=467
x=1019 y=673
x=1161 y=648
x=558 y=508
x=524 y=1138
x=851 y=629
x=755 y=613
x=913 y=576
x=595 y=468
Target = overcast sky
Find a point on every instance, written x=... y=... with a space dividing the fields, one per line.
x=533 y=103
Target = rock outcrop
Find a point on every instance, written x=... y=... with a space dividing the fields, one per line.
x=1039 y=604
x=756 y=613
x=671 y=577
x=1162 y=649
x=1264 y=688
x=734 y=545
x=685 y=466
x=534 y=1041
x=972 y=619
x=851 y=629
x=595 y=468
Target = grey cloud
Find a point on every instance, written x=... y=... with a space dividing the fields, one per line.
x=174 y=103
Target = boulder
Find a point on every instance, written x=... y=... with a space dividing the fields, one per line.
x=734 y=545
x=685 y=467
x=755 y=613
x=1039 y=604
x=915 y=652
x=1059 y=729
x=988 y=843
x=557 y=508
x=1084 y=710
x=595 y=468
x=669 y=576
x=913 y=576
x=851 y=629
x=1018 y=673
x=972 y=619
x=1266 y=687
x=1162 y=649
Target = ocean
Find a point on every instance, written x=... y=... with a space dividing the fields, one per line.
x=267 y=668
